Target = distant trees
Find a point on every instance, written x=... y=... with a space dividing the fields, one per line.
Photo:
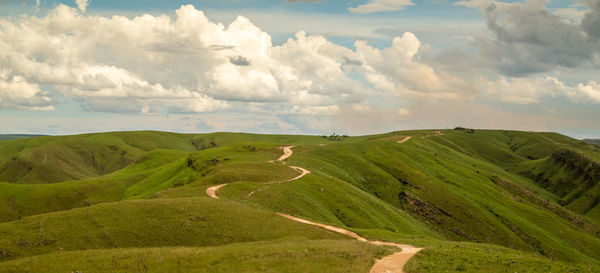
x=335 y=137
x=467 y=130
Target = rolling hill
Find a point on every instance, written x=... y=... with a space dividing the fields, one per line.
x=593 y=141
x=474 y=200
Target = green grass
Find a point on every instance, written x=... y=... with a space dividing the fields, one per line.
x=20 y=200
x=51 y=159
x=328 y=200
x=283 y=256
x=470 y=257
x=593 y=141
x=453 y=193
x=149 y=223
x=474 y=199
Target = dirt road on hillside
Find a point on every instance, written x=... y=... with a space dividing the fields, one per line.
x=404 y=139
x=389 y=264
x=287 y=152
x=302 y=171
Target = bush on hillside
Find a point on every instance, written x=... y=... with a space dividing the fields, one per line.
x=468 y=130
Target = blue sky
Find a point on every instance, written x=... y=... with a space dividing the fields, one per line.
x=309 y=67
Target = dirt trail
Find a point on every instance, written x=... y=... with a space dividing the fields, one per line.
x=393 y=263
x=302 y=171
x=212 y=191
x=404 y=139
x=389 y=264
x=287 y=152
x=332 y=228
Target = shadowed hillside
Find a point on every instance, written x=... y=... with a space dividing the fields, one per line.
x=593 y=141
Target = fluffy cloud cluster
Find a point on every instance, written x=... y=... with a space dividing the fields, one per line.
x=526 y=38
x=151 y=64
x=533 y=90
x=81 y=4
x=189 y=64
x=398 y=70
x=16 y=93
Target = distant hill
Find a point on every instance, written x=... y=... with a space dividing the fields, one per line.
x=593 y=141
x=476 y=200
x=16 y=136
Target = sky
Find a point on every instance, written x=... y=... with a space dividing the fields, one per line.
x=299 y=66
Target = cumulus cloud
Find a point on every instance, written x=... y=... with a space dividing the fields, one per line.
x=82 y=4
x=189 y=64
x=526 y=38
x=16 y=93
x=154 y=65
x=398 y=70
x=572 y=14
x=533 y=90
x=591 y=20
x=381 y=5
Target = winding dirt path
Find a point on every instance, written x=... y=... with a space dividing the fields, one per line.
x=287 y=152
x=302 y=171
x=393 y=263
x=404 y=139
x=212 y=191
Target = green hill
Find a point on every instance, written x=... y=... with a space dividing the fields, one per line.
x=477 y=200
x=593 y=141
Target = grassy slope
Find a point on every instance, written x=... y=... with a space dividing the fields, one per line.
x=282 y=256
x=570 y=170
x=456 y=186
x=149 y=223
x=151 y=172
x=19 y=200
x=51 y=159
x=593 y=141
x=451 y=189
x=55 y=159
x=470 y=257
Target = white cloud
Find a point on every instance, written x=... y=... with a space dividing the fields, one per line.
x=16 y=93
x=398 y=70
x=363 y=107
x=571 y=14
x=82 y=4
x=526 y=38
x=381 y=5
x=154 y=65
x=185 y=64
x=533 y=90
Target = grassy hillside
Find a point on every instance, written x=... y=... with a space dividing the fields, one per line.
x=278 y=256
x=476 y=199
x=573 y=177
x=593 y=141
x=469 y=257
x=149 y=223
